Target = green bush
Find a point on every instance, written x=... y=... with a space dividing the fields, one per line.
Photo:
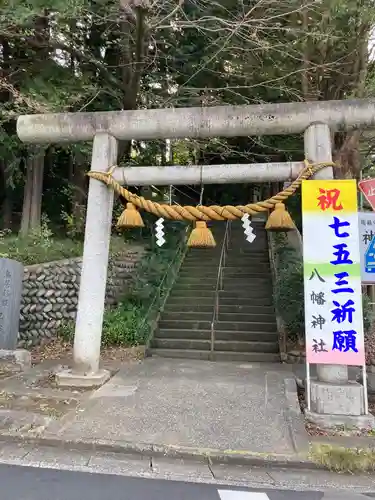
x=289 y=299
x=367 y=313
x=42 y=246
x=121 y=326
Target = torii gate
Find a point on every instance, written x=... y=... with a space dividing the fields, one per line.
x=315 y=119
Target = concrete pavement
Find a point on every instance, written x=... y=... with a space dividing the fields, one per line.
x=186 y=406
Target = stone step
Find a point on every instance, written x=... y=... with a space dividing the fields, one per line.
x=228 y=283
x=233 y=335
x=205 y=324
x=249 y=286
x=230 y=335
x=260 y=253
x=186 y=316
x=246 y=318
x=196 y=280
x=181 y=306
x=245 y=346
x=246 y=309
x=262 y=256
x=247 y=326
x=233 y=250
x=250 y=293
x=180 y=353
x=247 y=248
x=254 y=271
x=238 y=357
x=252 y=265
x=189 y=301
x=202 y=285
x=207 y=316
x=180 y=343
x=205 y=345
x=190 y=293
x=227 y=300
x=262 y=281
x=234 y=261
x=242 y=272
x=188 y=270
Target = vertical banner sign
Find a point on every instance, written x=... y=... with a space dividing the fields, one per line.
x=332 y=273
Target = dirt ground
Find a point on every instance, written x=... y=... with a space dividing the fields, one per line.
x=58 y=349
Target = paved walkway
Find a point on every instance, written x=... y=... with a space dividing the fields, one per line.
x=192 y=405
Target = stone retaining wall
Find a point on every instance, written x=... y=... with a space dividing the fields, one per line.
x=50 y=293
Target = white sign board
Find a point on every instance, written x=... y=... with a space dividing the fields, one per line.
x=332 y=281
x=367 y=246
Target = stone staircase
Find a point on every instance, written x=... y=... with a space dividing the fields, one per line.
x=245 y=329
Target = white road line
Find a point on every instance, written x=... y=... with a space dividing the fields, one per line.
x=242 y=495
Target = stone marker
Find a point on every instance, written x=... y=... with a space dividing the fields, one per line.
x=11 y=275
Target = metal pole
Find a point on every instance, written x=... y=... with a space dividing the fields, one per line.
x=365 y=390
x=308 y=394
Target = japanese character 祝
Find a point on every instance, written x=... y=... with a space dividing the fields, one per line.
x=345 y=341
x=329 y=199
x=343 y=312
x=337 y=224
x=342 y=255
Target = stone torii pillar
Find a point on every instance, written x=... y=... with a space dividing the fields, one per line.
x=107 y=128
x=89 y=321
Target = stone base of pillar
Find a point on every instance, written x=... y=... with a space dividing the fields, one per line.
x=71 y=378
x=15 y=360
x=347 y=421
x=338 y=404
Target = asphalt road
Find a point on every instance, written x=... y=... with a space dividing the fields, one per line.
x=34 y=483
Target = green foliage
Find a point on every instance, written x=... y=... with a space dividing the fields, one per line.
x=367 y=313
x=129 y=323
x=120 y=326
x=289 y=292
x=43 y=246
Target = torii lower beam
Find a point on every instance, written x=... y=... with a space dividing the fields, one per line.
x=106 y=129
x=207 y=174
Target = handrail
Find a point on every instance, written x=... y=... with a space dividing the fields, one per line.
x=219 y=284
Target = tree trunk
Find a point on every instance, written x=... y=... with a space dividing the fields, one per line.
x=32 y=201
x=79 y=182
x=7 y=205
